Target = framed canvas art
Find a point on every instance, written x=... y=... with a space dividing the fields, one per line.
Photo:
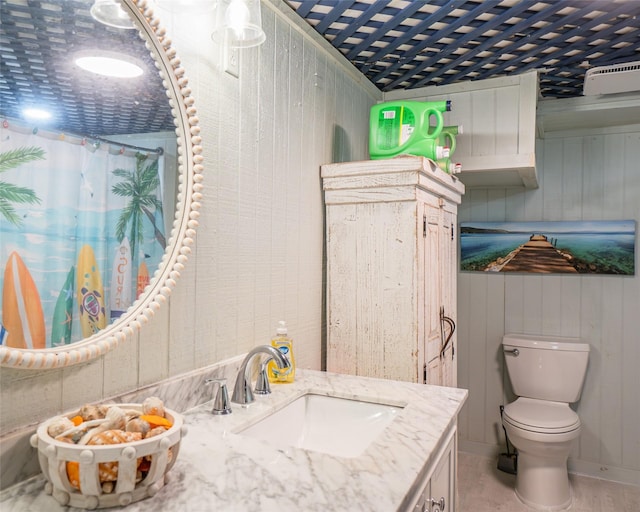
x=562 y=247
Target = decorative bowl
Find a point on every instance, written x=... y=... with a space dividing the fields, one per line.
x=141 y=467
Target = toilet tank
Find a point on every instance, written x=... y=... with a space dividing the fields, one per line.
x=546 y=368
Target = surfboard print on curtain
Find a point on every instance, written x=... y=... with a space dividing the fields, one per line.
x=22 y=316
x=93 y=315
x=62 y=321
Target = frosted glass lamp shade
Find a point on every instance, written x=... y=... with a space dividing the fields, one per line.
x=238 y=23
x=109 y=12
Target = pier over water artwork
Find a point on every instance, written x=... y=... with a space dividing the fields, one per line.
x=563 y=247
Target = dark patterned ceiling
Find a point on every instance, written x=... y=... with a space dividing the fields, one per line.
x=397 y=44
x=400 y=44
x=38 y=40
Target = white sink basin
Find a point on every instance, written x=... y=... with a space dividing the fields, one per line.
x=327 y=424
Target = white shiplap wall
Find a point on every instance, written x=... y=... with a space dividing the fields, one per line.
x=583 y=176
x=258 y=257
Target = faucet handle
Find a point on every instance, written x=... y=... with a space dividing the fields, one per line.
x=262 y=383
x=221 y=400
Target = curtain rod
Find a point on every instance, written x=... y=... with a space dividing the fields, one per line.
x=157 y=150
x=25 y=126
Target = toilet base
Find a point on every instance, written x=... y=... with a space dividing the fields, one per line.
x=543 y=482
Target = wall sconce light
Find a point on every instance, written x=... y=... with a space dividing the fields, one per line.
x=109 y=12
x=238 y=23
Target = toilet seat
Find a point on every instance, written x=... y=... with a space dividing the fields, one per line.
x=541 y=416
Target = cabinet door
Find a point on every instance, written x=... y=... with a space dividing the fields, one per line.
x=443 y=479
x=433 y=285
x=424 y=501
x=440 y=295
x=448 y=296
x=434 y=372
x=438 y=490
x=448 y=367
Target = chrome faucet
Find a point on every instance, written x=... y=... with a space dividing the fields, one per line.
x=242 y=393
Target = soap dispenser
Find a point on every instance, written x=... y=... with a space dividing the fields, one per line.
x=285 y=345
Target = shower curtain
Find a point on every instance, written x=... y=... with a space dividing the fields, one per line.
x=81 y=228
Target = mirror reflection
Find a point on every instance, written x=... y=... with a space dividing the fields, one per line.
x=87 y=173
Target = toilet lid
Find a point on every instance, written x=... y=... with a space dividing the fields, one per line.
x=541 y=415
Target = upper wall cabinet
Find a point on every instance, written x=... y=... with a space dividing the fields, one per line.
x=497 y=147
x=588 y=112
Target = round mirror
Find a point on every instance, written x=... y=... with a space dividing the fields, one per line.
x=98 y=201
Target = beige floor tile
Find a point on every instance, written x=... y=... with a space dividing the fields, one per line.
x=484 y=488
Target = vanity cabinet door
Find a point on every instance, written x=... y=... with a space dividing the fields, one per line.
x=424 y=501
x=438 y=491
x=443 y=495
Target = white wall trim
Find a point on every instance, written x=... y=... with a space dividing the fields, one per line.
x=482 y=449
x=577 y=467
x=604 y=472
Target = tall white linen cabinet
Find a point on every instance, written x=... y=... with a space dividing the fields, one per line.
x=391 y=235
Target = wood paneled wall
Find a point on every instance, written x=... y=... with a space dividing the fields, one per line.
x=583 y=176
x=258 y=256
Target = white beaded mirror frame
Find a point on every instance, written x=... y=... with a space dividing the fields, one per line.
x=186 y=215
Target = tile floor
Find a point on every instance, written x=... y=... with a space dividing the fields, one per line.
x=483 y=488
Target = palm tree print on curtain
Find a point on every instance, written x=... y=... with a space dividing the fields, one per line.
x=10 y=193
x=140 y=187
x=63 y=201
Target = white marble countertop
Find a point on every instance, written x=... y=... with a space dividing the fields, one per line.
x=218 y=469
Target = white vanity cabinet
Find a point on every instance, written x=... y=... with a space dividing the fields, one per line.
x=438 y=488
x=391 y=269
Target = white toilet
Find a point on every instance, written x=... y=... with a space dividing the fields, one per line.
x=546 y=374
